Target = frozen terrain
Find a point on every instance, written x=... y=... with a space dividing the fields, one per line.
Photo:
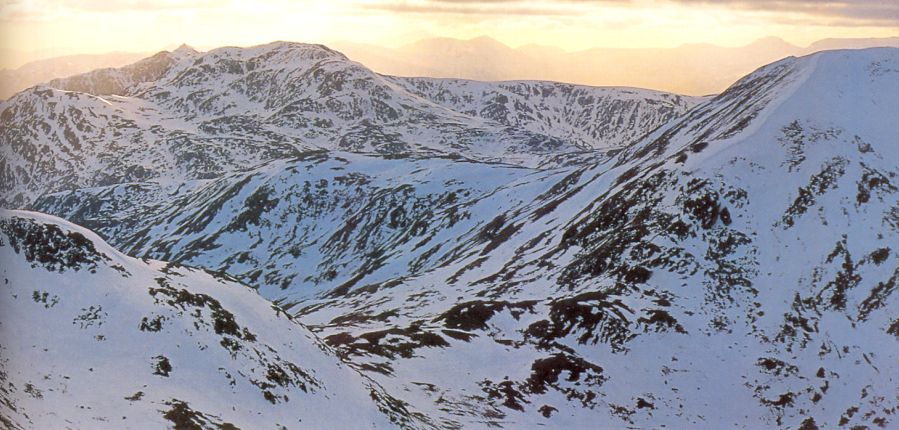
x=734 y=266
x=188 y=115
x=95 y=339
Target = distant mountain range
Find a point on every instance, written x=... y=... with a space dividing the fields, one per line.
x=33 y=73
x=694 y=69
x=451 y=253
x=190 y=115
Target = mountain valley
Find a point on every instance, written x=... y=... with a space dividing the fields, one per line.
x=295 y=229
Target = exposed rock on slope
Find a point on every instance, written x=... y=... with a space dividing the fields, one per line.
x=297 y=227
x=588 y=117
x=30 y=74
x=95 y=339
x=187 y=115
x=733 y=268
x=736 y=267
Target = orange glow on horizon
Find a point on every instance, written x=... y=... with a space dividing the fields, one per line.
x=41 y=28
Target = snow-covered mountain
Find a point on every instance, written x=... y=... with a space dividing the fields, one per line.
x=185 y=115
x=588 y=117
x=30 y=74
x=734 y=268
x=95 y=339
x=692 y=68
x=297 y=227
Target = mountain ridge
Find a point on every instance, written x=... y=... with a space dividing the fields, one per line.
x=687 y=69
x=736 y=266
x=733 y=267
x=198 y=350
x=196 y=116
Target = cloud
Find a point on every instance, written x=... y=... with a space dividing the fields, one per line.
x=143 y=5
x=488 y=7
x=824 y=12
x=855 y=12
x=461 y=9
x=25 y=11
x=110 y=5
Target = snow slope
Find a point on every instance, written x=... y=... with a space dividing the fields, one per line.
x=588 y=117
x=34 y=72
x=95 y=339
x=187 y=115
x=734 y=268
x=294 y=228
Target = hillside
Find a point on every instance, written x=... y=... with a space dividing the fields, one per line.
x=30 y=74
x=185 y=115
x=735 y=267
x=95 y=339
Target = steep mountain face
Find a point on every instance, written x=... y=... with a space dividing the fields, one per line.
x=95 y=339
x=588 y=117
x=186 y=115
x=124 y=80
x=294 y=228
x=734 y=268
x=14 y=80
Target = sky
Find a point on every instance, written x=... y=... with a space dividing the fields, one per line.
x=43 y=28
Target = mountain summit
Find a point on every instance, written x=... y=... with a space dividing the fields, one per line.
x=191 y=115
x=145 y=344
x=734 y=266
